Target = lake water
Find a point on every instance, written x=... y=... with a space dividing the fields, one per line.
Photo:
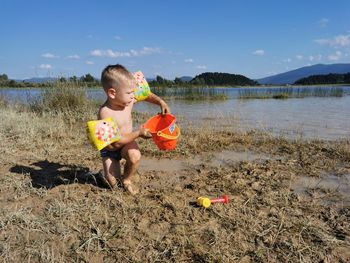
x=311 y=117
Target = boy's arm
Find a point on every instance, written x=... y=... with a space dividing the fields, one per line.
x=153 y=98
x=125 y=138
x=128 y=138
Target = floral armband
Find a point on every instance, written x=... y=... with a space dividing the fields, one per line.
x=103 y=132
x=142 y=89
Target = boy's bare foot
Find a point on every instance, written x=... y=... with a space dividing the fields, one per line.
x=130 y=187
x=111 y=184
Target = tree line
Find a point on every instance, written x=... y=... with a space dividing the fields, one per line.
x=206 y=79
x=222 y=79
x=331 y=78
x=85 y=80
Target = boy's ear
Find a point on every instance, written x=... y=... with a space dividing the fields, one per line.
x=111 y=93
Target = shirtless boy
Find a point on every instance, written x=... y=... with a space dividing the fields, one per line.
x=118 y=84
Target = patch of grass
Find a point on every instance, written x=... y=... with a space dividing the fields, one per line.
x=280 y=96
x=65 y=99
x=60 y=99
x=3 y=101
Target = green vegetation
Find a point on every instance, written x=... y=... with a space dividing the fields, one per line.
x=64 y=98
x=206 y=79
x=187 y=93
x=162 y=82
x=222 y=79
x=292 y=92
x=84 y=81
x=325 y=79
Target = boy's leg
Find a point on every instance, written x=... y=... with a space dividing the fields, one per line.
x=132 y=155
x=111 y=169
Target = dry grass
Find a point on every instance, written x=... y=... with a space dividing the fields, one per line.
x=53 y=209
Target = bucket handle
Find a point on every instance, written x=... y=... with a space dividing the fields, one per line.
x=169 y=137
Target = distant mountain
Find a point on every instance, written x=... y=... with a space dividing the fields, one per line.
x=186 y=78
x=37 y=80
x=291 y=76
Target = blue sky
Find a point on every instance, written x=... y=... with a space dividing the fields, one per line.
x=171 y=38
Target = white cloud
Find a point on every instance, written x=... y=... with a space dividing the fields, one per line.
x=315 y=58
x=109 y=53
x=90 y=62
x=299 y=57
x=287 y=60
x=149 y=51
x=45 y=66
x=337 y=41
x=202 y=67
x=132 y=53
x=336 y=56
x=49 y=55
x=189 y=60
x=96 y=53
x=118 y=37
x=323 y=22
x=259 y=52
x=75 y=56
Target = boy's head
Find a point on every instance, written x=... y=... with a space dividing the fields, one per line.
x=118 y=83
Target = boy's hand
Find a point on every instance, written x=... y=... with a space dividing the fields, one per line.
x=145 y=133
x=164 y=107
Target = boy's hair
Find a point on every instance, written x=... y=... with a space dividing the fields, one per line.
x=113 y=75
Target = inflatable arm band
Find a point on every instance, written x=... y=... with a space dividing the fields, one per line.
x=103 y=132
x=142 y=89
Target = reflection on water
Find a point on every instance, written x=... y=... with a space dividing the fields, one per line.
x=320 y=117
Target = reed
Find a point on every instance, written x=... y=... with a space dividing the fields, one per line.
x=190 y=93
x=290 y=92
x=3 y=100
x=61 y=98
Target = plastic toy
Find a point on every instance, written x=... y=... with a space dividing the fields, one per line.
x=103 y=132
x=164 y=131
x=206 y=202
x=142 y=89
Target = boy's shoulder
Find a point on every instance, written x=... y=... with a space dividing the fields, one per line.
x=104 y=112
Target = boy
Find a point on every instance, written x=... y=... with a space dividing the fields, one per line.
x=119 y=83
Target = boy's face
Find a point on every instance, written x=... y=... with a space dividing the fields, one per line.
x=123 y=95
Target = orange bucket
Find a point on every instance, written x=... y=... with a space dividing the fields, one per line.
x=164 y=131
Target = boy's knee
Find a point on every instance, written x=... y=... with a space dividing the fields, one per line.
x=134 y=156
